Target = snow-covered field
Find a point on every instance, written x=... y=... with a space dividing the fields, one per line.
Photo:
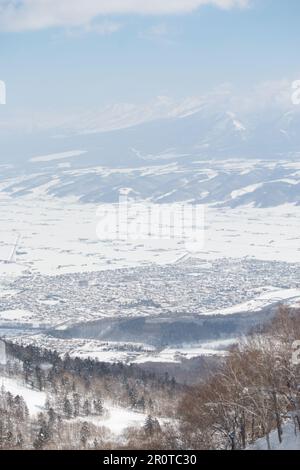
x=60 y=236
x=15 y=316
x=117 y=419
x=289 y=296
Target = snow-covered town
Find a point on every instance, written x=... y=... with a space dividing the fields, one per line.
x=193 y=287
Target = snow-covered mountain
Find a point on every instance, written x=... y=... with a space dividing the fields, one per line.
x=222 y=182
x=198 y=151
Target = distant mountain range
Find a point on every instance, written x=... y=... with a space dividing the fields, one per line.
x=201 y=153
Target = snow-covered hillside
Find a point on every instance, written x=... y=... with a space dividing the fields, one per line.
x=290 y=439
x=116 y=419
x=170 y=178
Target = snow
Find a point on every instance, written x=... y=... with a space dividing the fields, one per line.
x=59 y=237
x=11 y=270
x=57 y=156
x=189 y=351
x=290 y=439
x=17 y=315
x=34 y=399
x=261 y=301
x=246 y=190
x=49 y=302
x=237 y=124
x=7 y=292
x=117 y=419
x=287 y=180
x=103 y=356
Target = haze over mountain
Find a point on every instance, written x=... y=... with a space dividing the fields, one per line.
x=166 y=152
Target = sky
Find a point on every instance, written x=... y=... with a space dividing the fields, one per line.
x=58 y=56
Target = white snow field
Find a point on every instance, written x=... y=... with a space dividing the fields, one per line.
x=117 y=419
x=57 y=156
x=34 y=399
x=16 y=316
x=263 y=300
x=60 y=236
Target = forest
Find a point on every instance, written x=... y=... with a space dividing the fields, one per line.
x=254 y=391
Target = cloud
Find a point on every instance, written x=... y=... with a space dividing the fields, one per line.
x=102 y=28
x=30 y=15
x=160 y=33
x=158 y=30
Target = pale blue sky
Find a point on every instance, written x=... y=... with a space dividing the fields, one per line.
x=60 y=60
